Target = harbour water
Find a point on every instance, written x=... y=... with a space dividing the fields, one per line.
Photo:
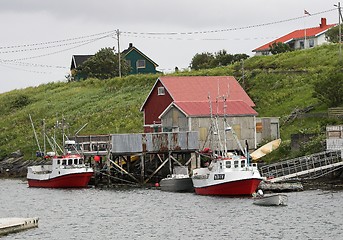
x=152 y=214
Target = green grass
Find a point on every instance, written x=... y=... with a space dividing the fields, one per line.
x=277 y=84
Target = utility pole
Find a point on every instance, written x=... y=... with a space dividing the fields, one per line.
x=339 y=30
x=119 y=58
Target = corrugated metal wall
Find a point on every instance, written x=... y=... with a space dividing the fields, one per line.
x=154 y=142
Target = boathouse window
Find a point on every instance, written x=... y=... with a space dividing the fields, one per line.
x=228 y=164
x=160 y=91
x=236 y=163
x=243 y=163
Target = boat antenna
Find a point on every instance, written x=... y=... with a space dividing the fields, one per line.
x=34 y=131
x=224 y=125
x=50 y=143
x=44 y=143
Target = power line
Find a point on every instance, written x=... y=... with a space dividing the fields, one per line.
x=227 y=29
x=58 y=41
x=25 y=70
x=48 y=54
x=46 y=47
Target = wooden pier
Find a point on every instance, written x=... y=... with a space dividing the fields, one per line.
x=139 y=158
x=12 y=225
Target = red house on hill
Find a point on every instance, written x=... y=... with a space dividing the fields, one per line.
x=191 y=94
x=185 y=103
x=300 y=39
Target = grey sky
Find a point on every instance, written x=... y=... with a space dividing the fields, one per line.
x=39 y=21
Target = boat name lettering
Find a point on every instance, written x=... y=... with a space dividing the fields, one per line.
x=219 y=176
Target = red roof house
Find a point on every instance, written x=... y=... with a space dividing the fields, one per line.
x=192 y=94
x=300 y=39
x=187 y=103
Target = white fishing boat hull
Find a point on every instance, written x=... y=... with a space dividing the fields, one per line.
x=220 y=180
x=60 y=175
x=272 y=200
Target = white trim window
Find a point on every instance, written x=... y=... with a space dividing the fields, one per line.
x=140 y=63
x=161 y=91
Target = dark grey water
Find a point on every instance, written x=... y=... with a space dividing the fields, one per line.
x=153 y=214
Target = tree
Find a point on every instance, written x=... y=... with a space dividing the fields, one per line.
x=332 y=35
x=279 y=47
x=220 y=58
x=330 y=89
x=202 y=61
x=103 y=65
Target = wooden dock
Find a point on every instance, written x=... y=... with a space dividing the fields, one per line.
x=12 y=225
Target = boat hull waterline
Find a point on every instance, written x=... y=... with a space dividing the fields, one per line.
x=234 y=188
x=177 y=184
x=73 y=180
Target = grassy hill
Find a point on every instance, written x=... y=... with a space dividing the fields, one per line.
x=278 y=85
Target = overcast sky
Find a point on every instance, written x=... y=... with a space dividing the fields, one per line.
x=53 y=31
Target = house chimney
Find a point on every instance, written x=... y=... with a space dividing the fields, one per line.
x=130 y=45
x=322 y=22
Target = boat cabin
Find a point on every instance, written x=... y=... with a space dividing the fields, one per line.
x=68 y=161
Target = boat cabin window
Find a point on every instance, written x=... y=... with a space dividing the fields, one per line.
x=75 y=161
x=243 y=163
x=236 y=162
x=70 y=161
x=220 y=165
x=81 y=161
x=228 y=164
x=58 y=162
x=64 y=162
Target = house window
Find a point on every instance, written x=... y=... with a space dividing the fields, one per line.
x=128 y=62
x=301 y=44
x=140 y=63
x=311 y=42
x=161 y=91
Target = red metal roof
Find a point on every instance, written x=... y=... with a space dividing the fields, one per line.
x=203 y=108
x=199 y=88
x=299 y=34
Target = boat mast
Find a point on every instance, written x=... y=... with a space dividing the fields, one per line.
x=34 y=131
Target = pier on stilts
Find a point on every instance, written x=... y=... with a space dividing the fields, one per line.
x=138 y=159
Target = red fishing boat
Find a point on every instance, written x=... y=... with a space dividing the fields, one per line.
x=67 y=171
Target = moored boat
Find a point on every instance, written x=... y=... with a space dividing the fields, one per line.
x=67 y=171
x=231 y=175
x=271 y=200
x=179 y=181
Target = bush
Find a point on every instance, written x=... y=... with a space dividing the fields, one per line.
x=330 y=89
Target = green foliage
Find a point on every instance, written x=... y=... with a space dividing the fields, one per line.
x=221 y=58
x=278 y=84
x=20 y=101
x=332 y=35
x=276 y=48
x=330 y=89
x=103 y=65
x=202 y=61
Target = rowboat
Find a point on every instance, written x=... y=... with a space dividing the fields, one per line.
x=271 y=200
